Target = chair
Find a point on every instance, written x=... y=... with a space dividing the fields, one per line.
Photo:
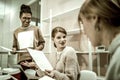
x=88 y=75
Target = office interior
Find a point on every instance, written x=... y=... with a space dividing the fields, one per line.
x=48 y=14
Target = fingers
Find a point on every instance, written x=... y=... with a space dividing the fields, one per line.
x=24 y=64
x=28 y=64
x=13 y=51
x=49 y=73
x=47 y=70
x=32 y=64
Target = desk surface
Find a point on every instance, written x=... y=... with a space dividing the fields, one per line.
x=92 y=52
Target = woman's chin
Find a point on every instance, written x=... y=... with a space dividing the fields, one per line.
x=63 y=46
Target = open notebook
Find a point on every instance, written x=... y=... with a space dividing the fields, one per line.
x=40 y=59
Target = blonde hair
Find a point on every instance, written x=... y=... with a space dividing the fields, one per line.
x=107 y=10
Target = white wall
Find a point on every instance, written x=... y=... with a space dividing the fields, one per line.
x=1 y=33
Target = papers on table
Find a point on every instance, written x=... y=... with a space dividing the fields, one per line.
x=46 y=78
x=10 y=50
x=7 y=49
x=40 y=59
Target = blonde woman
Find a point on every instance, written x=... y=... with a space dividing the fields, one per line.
x=101 y=21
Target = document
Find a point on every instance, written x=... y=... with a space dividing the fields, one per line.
x=7 y=49
x=46 y=78
x=40 y=59
x=25 y=39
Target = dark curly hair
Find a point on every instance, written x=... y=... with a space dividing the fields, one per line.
x=25 y=9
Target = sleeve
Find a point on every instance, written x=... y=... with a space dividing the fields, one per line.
x=39 y=37
x=39 y=40
x=113 y=72
x=14 y=41
x=71 y=68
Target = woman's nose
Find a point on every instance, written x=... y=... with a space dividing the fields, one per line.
x=62 y=39
x=27 y=20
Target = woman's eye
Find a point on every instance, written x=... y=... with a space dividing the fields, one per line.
x=64 y=36
x=58 y=37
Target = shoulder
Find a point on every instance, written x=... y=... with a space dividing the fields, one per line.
x=69 y=51
x=34 y=27
x=116 y=53
x=114 y=64
x=17 y=30
x=70 y=54
x=115 y=58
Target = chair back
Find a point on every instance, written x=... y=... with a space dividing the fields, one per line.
x=87 y=75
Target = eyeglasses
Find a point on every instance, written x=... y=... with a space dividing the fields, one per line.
x=116 y=2
x=27 y=18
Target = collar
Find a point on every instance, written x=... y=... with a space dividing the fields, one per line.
x=25 y=28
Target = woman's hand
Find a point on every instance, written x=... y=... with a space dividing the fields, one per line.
x=28 y=64
x=49 y=73
x=13 y=51
x=40 y=47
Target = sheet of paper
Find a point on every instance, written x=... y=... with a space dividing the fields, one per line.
x=46 y=78
x=25 y=39
x=40 y=59
x=7 y=49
